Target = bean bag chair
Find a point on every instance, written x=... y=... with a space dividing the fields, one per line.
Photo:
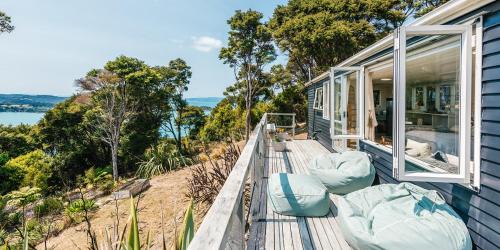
x=343 y=173
x=403 y=216
x=297 y=195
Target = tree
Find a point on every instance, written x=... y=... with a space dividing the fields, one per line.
x=5 y=23
x=66 y=135
x=113 y=108
x=193 y=119
x=16 y=140
x=23 y=197
x=224 y=123
x=319 y=34
x=177 y=75
x=145 y=89
x=249 y=49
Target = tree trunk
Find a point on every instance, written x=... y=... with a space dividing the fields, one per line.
x=114 y=160
x=248 y=102
x=248 y=121
x=179 y=140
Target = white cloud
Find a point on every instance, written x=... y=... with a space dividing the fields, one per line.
x=206 y=43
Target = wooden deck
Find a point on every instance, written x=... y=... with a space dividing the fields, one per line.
x=270 y=230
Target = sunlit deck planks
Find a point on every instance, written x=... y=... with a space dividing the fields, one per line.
x=270 y=230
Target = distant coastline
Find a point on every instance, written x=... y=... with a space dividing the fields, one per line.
x=28 y=103
x=18 y=109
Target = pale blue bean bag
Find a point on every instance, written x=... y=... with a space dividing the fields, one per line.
x=342 y=173
x=297 y=195
x=403 y=216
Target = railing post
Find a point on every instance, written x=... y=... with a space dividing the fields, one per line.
x=293 y=125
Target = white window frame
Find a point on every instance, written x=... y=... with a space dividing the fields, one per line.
x=359 y=103
x=326 y=100
x=316 y=103
x=399 y=158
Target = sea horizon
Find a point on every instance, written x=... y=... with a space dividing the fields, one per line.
x=30 y=118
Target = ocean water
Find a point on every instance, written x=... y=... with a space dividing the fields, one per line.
x=16 y=118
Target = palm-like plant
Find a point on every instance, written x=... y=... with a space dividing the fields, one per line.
x=161 y=159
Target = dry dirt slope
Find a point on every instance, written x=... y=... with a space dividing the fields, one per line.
x=169 y=189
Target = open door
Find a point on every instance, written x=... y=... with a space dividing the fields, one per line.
x=346 y=107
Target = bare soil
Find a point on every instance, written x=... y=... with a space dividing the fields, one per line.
x=168 y=189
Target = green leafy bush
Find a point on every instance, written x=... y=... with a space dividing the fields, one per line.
x=37 y=169
x=76 y=209
x=48 y=206
x=97 y=176
x=160 y=159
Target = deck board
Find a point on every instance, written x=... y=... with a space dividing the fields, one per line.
x=274 y=231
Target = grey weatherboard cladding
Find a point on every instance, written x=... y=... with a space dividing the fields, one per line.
x=316 y=123
x=479 y=210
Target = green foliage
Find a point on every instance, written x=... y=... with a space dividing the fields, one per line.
x=23 y=196
x=249 y=49
x=224 y=123
x=16 y=140
x=161 y=159
x=49 y=205
x=192 y=120
x=319 y=34
x=97 y=176
x=187 y=229
x=133 y=241
x=5 y=23
x=37 y=169
x=291 y=100
x=64 y=134
x=76 y=209
x=11 y=177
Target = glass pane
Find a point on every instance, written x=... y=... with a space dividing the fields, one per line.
x=351 y=108
x=379 y=104
x=432 y=103
x=337 y=88
x=345 y=144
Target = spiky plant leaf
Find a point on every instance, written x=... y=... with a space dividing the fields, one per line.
x=133 y=237
x=187 y=229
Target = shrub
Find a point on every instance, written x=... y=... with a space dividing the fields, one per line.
x=97 y=176
x=161 y=159
x=76 y=209
x=107 y=186
x=37 y=168
x=48 y=206
x=205 y=183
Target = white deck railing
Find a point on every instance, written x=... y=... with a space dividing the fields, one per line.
x=225 y=223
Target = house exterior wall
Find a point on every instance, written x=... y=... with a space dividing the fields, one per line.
x=315 y=119
x=479 y=210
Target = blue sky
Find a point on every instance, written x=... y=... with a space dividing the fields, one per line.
x=56 y=42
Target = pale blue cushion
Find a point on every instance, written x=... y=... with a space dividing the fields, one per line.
x=403 y=216
x=297 y=195
x=345 y=172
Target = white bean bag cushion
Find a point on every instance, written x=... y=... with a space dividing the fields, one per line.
x=403 y=216
x=418 y=149
x=343 y=173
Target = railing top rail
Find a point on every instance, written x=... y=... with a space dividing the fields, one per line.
x=290 y=114
x=213 y=230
